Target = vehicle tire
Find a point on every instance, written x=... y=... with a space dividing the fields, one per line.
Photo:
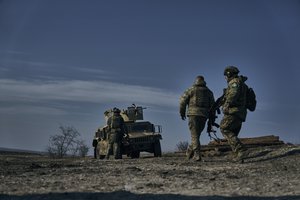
x=135 y=154
x=157 y=149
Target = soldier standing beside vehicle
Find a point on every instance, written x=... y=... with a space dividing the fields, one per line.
x=199 y=99
x=116 y=132
x=235 y=110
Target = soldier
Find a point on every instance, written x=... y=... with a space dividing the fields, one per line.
x=235 y=111
x=199 y=100
x=116 y=132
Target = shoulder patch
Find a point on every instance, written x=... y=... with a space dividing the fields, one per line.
x=234 y=85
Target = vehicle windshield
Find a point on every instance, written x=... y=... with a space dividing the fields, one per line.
x=137 y=127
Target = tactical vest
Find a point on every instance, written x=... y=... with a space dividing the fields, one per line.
x=115 y=123
x=200 y=101
x=238 y=105
x=200 y=98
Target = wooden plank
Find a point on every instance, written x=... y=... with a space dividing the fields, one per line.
x=270 y=139
x=254 y=142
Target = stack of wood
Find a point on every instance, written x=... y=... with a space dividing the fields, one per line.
x=223 y=146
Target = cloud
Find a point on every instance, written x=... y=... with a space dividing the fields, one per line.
x=45 y=70
x=29 y=109
x=30 y=63
x=84 y=91
x=89 y=70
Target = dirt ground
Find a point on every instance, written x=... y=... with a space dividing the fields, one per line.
x=269 y=173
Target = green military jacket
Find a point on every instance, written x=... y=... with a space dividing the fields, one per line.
x=235 y=98
x=116 y=124
x=198 y=98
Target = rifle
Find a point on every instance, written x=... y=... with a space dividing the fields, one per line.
x=210 y=123
x=212 y=118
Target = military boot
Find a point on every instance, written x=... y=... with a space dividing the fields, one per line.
x=109 y=152
x=189 y=152
x=197 y=158
x=240 y=156
x=197 y=155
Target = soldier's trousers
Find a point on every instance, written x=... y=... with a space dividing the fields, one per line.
x=230 y=127
x=114 y=146
x=196 y=126
x=114 y=149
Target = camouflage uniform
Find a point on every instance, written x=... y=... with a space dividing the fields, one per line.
x=116 y=133
x=234 y=109
x=199 y=100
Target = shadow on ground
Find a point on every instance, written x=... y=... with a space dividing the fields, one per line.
x=269 y=154
x=132 y=196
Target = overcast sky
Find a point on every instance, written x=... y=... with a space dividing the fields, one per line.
x=65 y=62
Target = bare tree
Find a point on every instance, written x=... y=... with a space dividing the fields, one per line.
x=80 y=149
x=83 y=149
x=182 y=145
x=66 y=143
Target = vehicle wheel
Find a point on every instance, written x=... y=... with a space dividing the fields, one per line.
x=157 y=149
x=135 y=154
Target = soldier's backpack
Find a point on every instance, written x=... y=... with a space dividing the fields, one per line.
x=251 y=100
x=115 y=122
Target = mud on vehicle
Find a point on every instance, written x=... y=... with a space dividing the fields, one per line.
x=143 y=136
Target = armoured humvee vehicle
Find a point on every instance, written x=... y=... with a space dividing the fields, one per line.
x=143 y=136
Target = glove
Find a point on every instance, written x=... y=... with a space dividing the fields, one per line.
x=183 y=117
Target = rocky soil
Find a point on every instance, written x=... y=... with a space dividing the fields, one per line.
x=269 y=173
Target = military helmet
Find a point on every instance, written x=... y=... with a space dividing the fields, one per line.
x=230 y=71
x=116 y=110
